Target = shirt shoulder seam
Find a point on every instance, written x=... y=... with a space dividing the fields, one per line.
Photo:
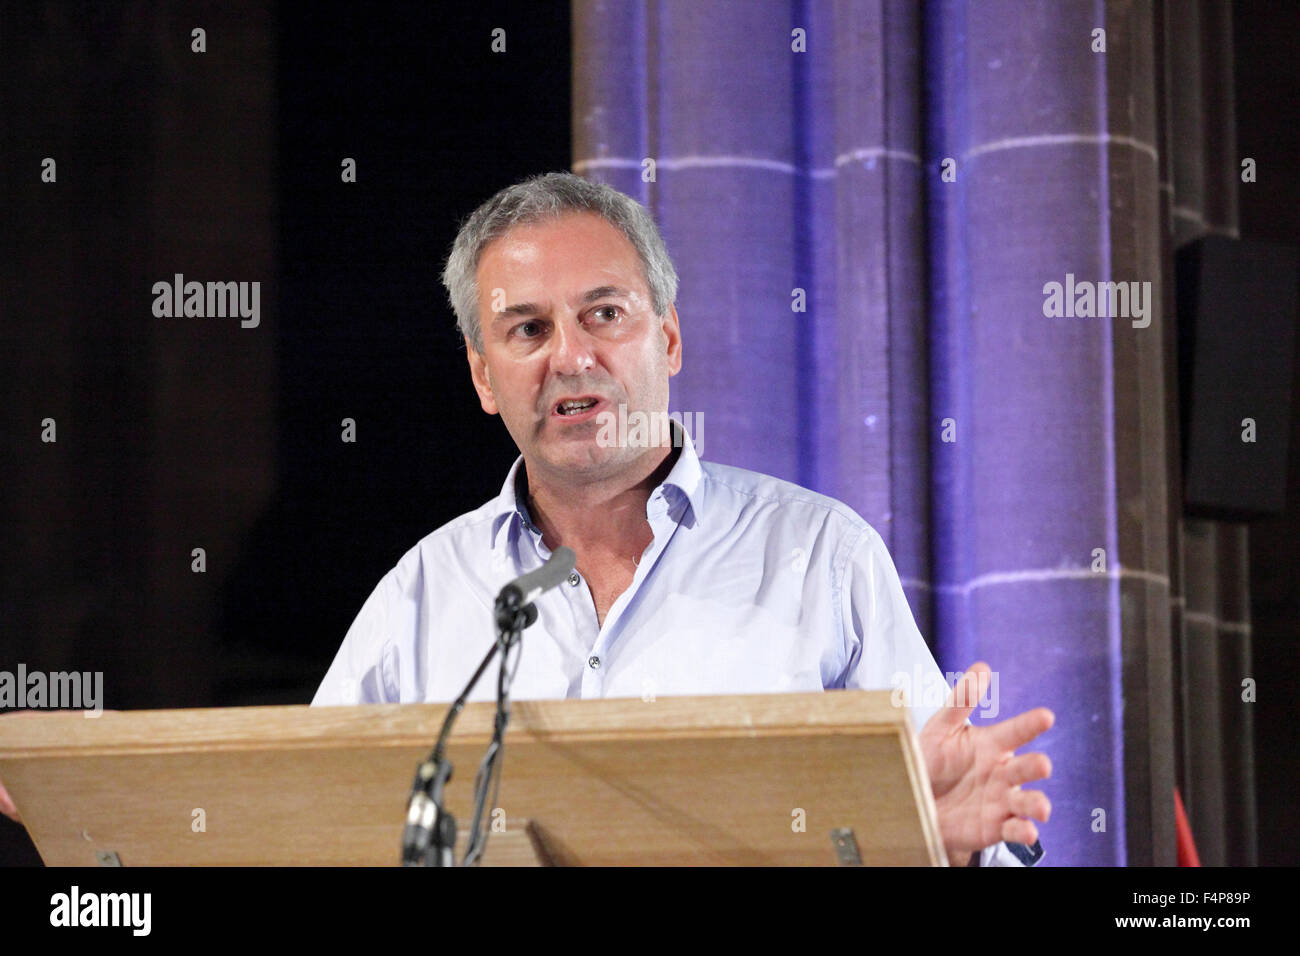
x=828 y=504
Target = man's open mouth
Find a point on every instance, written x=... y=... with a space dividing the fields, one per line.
x=571 y=407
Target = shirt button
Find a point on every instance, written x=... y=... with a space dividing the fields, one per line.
x=593 y=662
x=574 y=579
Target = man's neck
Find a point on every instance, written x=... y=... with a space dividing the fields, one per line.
x=607 y=516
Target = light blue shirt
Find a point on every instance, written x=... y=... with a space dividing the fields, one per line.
x=751 y=585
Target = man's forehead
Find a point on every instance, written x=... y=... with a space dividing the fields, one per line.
x=555 y=239
x=568 y=257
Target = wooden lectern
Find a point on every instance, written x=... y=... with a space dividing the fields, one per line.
x=739 y=780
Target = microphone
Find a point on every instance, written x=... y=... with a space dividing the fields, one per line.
x=429 y=836
x=527 y=588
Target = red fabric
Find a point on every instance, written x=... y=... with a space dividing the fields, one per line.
x=1186 y=845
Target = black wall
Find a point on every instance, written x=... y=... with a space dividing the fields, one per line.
x=1267 y=49
x=193 y=432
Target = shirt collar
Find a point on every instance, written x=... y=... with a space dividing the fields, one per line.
x=684 y=481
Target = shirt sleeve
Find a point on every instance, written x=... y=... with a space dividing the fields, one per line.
x=1011 y=854
x=885 y=651
x=365 y=668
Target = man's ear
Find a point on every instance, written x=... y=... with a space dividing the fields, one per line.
x=478 y=372
x=673 y=333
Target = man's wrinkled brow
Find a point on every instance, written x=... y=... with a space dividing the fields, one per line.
x=531 y=308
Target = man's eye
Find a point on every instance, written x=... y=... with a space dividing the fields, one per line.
x=527 y=330
x=614 y=312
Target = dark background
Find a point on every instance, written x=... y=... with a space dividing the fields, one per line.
x=185 y=433
x=1267 y=56
x=438 y=124
x=173 y=161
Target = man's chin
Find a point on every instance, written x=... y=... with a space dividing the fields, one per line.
x=584 y=457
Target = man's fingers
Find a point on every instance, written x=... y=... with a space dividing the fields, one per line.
x=1026 y=768
x=7 y=805
x=1017 y=731
x=973 y=686
x=965 y=694
x=1019 y=831
x=1031 y=803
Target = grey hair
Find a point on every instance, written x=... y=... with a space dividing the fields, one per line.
x=543 y=197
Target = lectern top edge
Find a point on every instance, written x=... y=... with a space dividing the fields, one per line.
x=60 y=733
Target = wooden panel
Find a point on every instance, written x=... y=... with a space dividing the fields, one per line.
x=680 y=780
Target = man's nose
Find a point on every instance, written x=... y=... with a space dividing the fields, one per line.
x=572 y=353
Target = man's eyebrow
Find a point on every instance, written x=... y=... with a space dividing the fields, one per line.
x=531 y=308
x=522 y=308
x=603 y=292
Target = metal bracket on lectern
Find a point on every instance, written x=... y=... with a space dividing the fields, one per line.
x=846 y=846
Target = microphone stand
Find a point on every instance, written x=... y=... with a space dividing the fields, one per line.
x=429 y=837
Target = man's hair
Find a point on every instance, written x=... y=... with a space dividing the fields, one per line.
x=545 y=197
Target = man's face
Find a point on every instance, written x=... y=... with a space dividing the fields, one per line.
x=566 y=315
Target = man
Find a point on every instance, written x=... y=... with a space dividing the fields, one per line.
x=692 y=578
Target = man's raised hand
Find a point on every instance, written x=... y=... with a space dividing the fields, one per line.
x=976 y=775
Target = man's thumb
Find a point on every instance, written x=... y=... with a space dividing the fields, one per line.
x=7 y=805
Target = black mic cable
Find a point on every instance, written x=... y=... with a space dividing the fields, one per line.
x=429 y=836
